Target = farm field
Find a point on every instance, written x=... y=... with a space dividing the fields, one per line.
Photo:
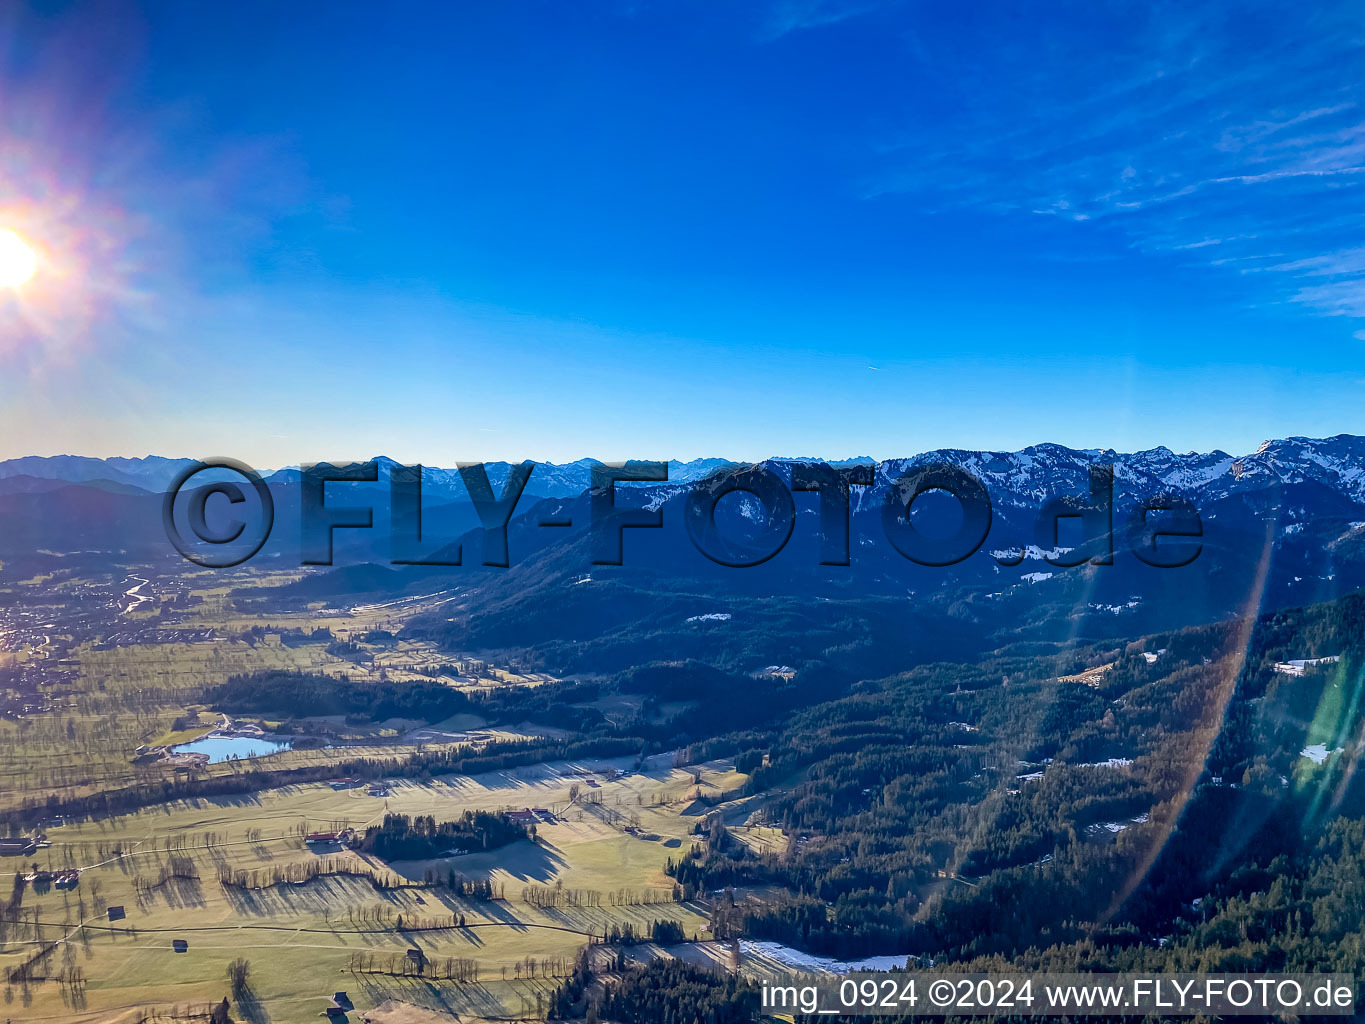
x=125 y=694
x=162 y=865
x=138 y=653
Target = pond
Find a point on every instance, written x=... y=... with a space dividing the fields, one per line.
x=224 y=748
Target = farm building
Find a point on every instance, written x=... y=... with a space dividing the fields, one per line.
x=330 y=838
x=13 y=846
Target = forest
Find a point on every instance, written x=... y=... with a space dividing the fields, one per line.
x=951 y=810
x=300 y=694
x=659 y=992
x=400 y=837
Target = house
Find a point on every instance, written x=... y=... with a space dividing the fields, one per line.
x=525 y=816
x=13 y=846
x=347 y=783
x=377 y=789
x=543 y=814
x=180 y=945
x=417 y=956
x=344 y=835
x=66 y=879
x=117 y=913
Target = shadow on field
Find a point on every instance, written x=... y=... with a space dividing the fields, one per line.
x=316 y=897
x=472 y=998
x=525 y=861
x=250 y=1008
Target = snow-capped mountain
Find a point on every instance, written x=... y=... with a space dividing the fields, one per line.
x=1022 y=478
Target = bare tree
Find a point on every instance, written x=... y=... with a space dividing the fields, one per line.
x=237 y=973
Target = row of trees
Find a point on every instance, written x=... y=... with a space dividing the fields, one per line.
x=175 y=869
x=301 y=872
x=468 y=888
x=559 y=896
x=458 y=969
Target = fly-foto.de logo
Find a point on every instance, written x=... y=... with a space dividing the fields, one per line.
x=221 y=512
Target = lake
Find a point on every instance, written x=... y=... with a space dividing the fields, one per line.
x=224 y=748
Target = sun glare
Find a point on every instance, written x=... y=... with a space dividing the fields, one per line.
x=18 y=261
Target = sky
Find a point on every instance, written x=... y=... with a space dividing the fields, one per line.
x=667 y=229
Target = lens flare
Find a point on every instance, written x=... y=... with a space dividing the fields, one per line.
x=18 y=261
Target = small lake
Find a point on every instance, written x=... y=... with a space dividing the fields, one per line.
x=224 y=748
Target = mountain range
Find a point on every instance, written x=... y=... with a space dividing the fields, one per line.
x=1283 y=526
x=1023 y=477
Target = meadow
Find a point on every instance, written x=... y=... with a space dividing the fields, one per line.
x=305 y=940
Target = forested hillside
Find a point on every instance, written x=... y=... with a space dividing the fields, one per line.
x=1073 y=801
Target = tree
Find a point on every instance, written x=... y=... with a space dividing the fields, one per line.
x=237 y=973
x=220 y=1013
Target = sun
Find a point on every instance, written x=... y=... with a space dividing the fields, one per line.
x=18 y=261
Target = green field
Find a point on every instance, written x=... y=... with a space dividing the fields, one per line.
x=301 y=938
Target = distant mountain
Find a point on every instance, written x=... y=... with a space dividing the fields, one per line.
x=1310 y=494
x=21 y=484
x=1283 y=526
x=547 y=480
x=1014 y=478
x=1031 y=475
x=153 y=473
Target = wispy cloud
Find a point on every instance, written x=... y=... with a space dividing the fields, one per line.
x=788 y=16
x=1234 y=137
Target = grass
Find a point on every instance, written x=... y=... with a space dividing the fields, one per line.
x=300 y=938
x=132 y=695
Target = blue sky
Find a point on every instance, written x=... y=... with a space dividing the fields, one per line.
x=669 y=229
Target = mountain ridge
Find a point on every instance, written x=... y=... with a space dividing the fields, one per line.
x=1338 y=461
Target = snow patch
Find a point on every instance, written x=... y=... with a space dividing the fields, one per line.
x=1296 y=666
x=800 y=961
x=1033 y=552
x=1318 y=752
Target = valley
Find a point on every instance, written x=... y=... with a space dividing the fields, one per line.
x=203 y=768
